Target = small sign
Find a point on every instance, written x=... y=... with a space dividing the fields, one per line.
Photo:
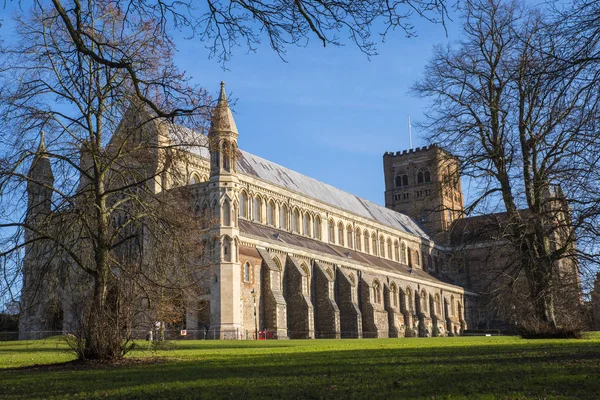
x=183 y=332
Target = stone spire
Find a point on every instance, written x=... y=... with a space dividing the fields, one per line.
x=41 y=170
x=222 y=119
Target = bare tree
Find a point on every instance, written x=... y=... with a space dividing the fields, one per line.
x=224 y=25
x=524 y=125
x=99 y=220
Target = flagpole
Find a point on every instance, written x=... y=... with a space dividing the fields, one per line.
x=409 y=134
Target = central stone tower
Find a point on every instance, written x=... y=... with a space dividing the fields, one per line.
x=424 y=183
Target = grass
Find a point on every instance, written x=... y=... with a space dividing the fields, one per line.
x=464 y=367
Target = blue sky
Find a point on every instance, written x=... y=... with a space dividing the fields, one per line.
x=329 y=113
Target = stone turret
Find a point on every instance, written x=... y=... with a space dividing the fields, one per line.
x=223 y=187
x=36 y=317
x=596 y=303
x=39 y=185
x=222 y=136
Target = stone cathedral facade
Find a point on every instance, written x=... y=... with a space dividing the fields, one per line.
x=299 y=258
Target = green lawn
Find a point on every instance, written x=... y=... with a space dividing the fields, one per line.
x=465 y=367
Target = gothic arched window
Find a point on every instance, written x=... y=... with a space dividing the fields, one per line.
x=376 y=292
x=340 y=234
x=306 y=223
x=247 y=272
x=194 y=178
x=317 y=227
x=349 y=235
x=243 y=205
x=296 y=221
x=283 y=222
x=271 y=213
x=393 y=295
x=226 y=213
x=305 y=280
x=404 y=253
x=331 y=231
x=374 y=243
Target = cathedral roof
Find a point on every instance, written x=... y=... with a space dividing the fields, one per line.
x=276 y=174
x=269 y=171
x=275 y=235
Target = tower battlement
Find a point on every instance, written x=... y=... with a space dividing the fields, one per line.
x=411 y=151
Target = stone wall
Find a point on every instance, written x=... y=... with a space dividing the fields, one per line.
x=327 y=313
x=300 y=312
x=347 y=300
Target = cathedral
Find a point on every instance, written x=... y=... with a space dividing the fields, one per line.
x=298 y=258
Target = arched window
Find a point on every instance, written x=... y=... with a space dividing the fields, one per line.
x=424 y=299
x=417 y=258
x=194 y=178
x=358 y=241
x=271 y=213
x=340 y=233
x=401 y=179
x=349 y=234
x=257 y=208
x=305 y=280
x=376 y=292
x=396 y=251
x=366 y=236
x=226 y=156
x=393 y=295
x=296 y=221
x=243 y=205
x=306 y=223
x=280 y=273
x=317 y=227
x=330 y=284
x=226 y=248
x=404 y=254
x=429 y=263
x=398 y=181
x=381 y=247
x=409 y=299
x=283 y=216
x=226 y=213
x=374 y=243
x=331 y=231
x=438 y=305
x=247 y=272
x=423 y=176
x=452 y=305
x=389 y=249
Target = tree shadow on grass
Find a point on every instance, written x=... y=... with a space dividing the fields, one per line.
x=470 y=371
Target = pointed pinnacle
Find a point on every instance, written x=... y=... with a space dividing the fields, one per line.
x=42 y=146
x=222 y=95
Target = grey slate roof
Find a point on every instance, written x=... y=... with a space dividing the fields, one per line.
x=269 y=171
x=260 y=168
x=275 y=235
